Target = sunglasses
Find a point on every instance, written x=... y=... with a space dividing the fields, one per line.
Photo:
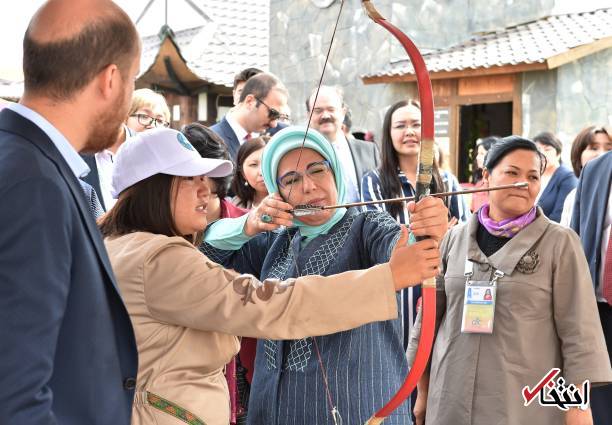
x=273 y=114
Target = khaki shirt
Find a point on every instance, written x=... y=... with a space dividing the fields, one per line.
x=186 y=311
x=544 y=318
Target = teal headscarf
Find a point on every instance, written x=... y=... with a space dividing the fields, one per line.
x=289 y=139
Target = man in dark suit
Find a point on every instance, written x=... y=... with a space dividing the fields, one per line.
x=357 y=157
x=263 y=97
x=592 y=220
x=68 y=352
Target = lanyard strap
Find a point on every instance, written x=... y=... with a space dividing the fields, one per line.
x=468 y=272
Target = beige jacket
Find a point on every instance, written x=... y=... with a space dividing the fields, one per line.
x=186 y=311
x=545 y=317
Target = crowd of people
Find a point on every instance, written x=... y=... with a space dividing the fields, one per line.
x=151 y=275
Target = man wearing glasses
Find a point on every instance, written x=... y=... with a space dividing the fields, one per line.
x=260 y=103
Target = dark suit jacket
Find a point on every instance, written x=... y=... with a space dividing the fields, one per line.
x=93 y=178
x=272 y=131
x=223 y=129
x=67 y=344
x=562 y=182
x=366 y=157
x=91 y=197
x=590 y=209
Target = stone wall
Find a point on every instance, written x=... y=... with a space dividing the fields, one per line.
x=300 y=34
x=569 y=98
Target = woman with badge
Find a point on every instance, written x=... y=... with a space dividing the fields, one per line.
x=515 y=300
x=342 y=377
x=186 y=310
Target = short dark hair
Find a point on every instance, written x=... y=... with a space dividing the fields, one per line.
x=245 y=192
x=60 y=69
x=549 y=139
x=509 y=144
x=245 y=75
x=260 y=85
x=209 y=145
x=144 y=207
x=581 y=142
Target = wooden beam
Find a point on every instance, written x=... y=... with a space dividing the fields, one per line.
x=482 y=98
x=488 y=84
x=579 y=52
x=478 y=72
x=517 y=107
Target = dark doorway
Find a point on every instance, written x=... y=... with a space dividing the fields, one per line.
x=476 y=121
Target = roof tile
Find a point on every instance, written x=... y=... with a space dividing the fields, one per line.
x=532 y=42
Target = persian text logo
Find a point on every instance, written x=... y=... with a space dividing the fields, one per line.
x=551 y=393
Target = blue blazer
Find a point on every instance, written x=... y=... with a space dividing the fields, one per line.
x=562 y=182
x=590 y=209
x=223 y=129
x=68 y=354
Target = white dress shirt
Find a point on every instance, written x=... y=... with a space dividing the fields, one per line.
x=105 y=161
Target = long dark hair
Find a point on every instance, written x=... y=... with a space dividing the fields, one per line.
x=145 y=207
x=240 y=186
x=391 y=186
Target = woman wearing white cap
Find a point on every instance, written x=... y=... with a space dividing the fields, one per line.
x=186 y=309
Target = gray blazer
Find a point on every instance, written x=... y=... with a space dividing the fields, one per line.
x=366 y=157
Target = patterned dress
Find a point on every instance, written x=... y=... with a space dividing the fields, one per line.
x=364 y=366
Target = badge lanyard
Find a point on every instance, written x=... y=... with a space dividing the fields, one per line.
x=479 y=302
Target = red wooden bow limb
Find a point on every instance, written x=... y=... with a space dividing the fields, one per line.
x=424 y=176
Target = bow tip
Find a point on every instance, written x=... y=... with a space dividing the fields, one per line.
x=374 y=15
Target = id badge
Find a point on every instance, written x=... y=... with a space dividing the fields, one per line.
x=479 y=307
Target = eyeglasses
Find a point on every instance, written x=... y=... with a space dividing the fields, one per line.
x=273 y=114
x=316 y=172
x=146 y=120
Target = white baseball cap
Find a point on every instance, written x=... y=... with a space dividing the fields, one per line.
x=161 y=151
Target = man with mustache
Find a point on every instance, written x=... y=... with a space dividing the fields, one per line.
x=357 y=157
x=259 y=108
x=68 y=353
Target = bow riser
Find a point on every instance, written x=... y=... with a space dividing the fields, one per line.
x=422 y=189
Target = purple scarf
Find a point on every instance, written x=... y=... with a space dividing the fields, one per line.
x=507 y=228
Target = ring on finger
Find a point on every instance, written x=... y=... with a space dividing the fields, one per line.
x=266 y=218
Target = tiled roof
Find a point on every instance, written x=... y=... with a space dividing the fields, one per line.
x=235 y=37
x=530 y=43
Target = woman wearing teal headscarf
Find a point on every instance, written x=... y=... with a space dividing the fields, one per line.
x=355 y=371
